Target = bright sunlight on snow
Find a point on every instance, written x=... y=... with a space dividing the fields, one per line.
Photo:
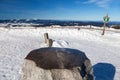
x=103 y=51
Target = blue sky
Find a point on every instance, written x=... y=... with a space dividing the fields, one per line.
x=60 y=9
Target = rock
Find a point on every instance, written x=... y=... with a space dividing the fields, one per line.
x=57 y=64
x=115 y=26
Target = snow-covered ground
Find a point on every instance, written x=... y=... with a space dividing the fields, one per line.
x=103 y=51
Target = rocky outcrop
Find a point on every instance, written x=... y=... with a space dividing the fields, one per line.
x=115 y=26
x=57 y=64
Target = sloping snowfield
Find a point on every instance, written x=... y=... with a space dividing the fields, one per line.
x=103 y=51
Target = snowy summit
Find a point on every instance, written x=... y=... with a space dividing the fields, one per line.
x=103 y=51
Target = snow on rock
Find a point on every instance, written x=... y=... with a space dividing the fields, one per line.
x=15 y=44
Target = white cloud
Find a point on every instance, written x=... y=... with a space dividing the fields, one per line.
x=100 y=3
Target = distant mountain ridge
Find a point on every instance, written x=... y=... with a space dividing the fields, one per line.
x=59 y=22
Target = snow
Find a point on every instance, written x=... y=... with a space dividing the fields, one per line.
x=103 y=51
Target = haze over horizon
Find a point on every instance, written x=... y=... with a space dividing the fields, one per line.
x=90 y=10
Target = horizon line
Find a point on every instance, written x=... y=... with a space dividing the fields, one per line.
x=59 y=19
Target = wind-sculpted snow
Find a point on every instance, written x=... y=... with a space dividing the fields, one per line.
x=15 y=44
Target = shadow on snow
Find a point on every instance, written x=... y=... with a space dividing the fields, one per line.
x=104 y=71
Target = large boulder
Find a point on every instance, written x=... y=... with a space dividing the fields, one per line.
x=57 y=64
